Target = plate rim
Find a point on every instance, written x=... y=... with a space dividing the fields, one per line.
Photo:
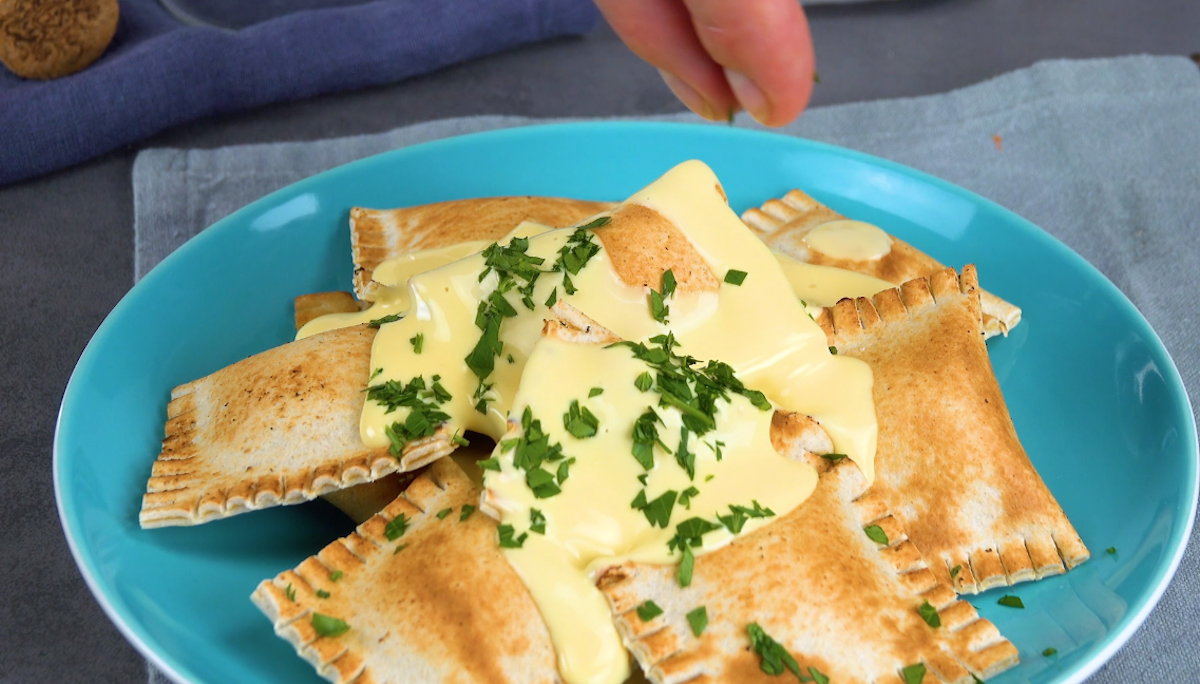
x=1108 y=645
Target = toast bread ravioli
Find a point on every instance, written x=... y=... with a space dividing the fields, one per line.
x=446 y=607
x=814 y=581
x=782 y=223
x=948 y=458
x=377 y=235
x=278 y=428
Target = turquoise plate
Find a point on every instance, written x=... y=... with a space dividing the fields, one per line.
x=1096 y=399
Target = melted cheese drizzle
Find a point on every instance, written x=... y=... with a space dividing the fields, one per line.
x=849 y=240
x=758 y=328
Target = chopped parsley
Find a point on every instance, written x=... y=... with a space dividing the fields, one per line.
x=658 y=309
x=552 y=299
x=537 y=521
x=693 y=390
x=833 y=457
x=423 y=403
x=818 y=676
x=564 y=470
x=643 y=382
x=833 y=350
x=580 y=422
x=1011 y=601
x=399 y=548
x=648 y=611
x=685 y=497
x=390 y=318
x=530 y=451
x=698 y=620
x=290 y=592
x=321 y=593
x=459 y=440
x=1050 y=651
x=689 y=534
x=955 y=570
x=396 y=527
x=507 y=540
x=377 y=373
x=1112 y=550
x=929 y=614
x=335 y=575
x=735 y=277
x=441 y=515
x=418 y=342
x=876 y=534
x=577 y=252
x=327 y=626
x=738 y=516
x=774 y=656
x=658 y=511
x=490 y=464
x=467 y=510
x=668 y=283
x=913 y=674
x=595 y=392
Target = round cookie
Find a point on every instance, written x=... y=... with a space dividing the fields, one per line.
x=51 y=38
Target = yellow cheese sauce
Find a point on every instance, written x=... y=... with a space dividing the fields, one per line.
x=758 y=327
x=849 y=240
x=590 y=525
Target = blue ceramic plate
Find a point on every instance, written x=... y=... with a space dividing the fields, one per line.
x=1097 y=401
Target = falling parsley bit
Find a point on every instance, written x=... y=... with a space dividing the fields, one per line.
x=327 y=626
x=335 y=575
x=510 y=359
x=418 y=342
x=833 y=457
x=467 y=510
x=399 y=548
x=1050 y=651
x=537 y=521
x=876 y=534
x=709 y=477
x=490 y=464
x=580 y=422
x=913 y=674
x=396 y=527
x=459 y=440
x=929 y=614
x=735 y=277
x=1011 y=601
x=507 y=540
x=390 y=318
x=595 y=392
x=1112 y=550
x=290 y=592
x=321 y=593
x=668 y=283
x=833 y=350
x=955 y=570
x=441 y=515
x=698 y=620
x=644 y=381
x=648 y=611
x=774 y=656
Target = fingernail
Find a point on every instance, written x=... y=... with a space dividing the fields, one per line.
x=749 y=95
x=687 y=95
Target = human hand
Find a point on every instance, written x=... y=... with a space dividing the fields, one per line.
x=719 y=56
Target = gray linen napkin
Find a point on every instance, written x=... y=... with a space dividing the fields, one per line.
x=1100 y=153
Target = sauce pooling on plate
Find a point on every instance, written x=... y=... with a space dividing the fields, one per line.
x=655 y=449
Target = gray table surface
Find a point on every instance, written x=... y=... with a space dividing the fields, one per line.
x=67 y=238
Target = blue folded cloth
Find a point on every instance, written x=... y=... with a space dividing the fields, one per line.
x=159 y=72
